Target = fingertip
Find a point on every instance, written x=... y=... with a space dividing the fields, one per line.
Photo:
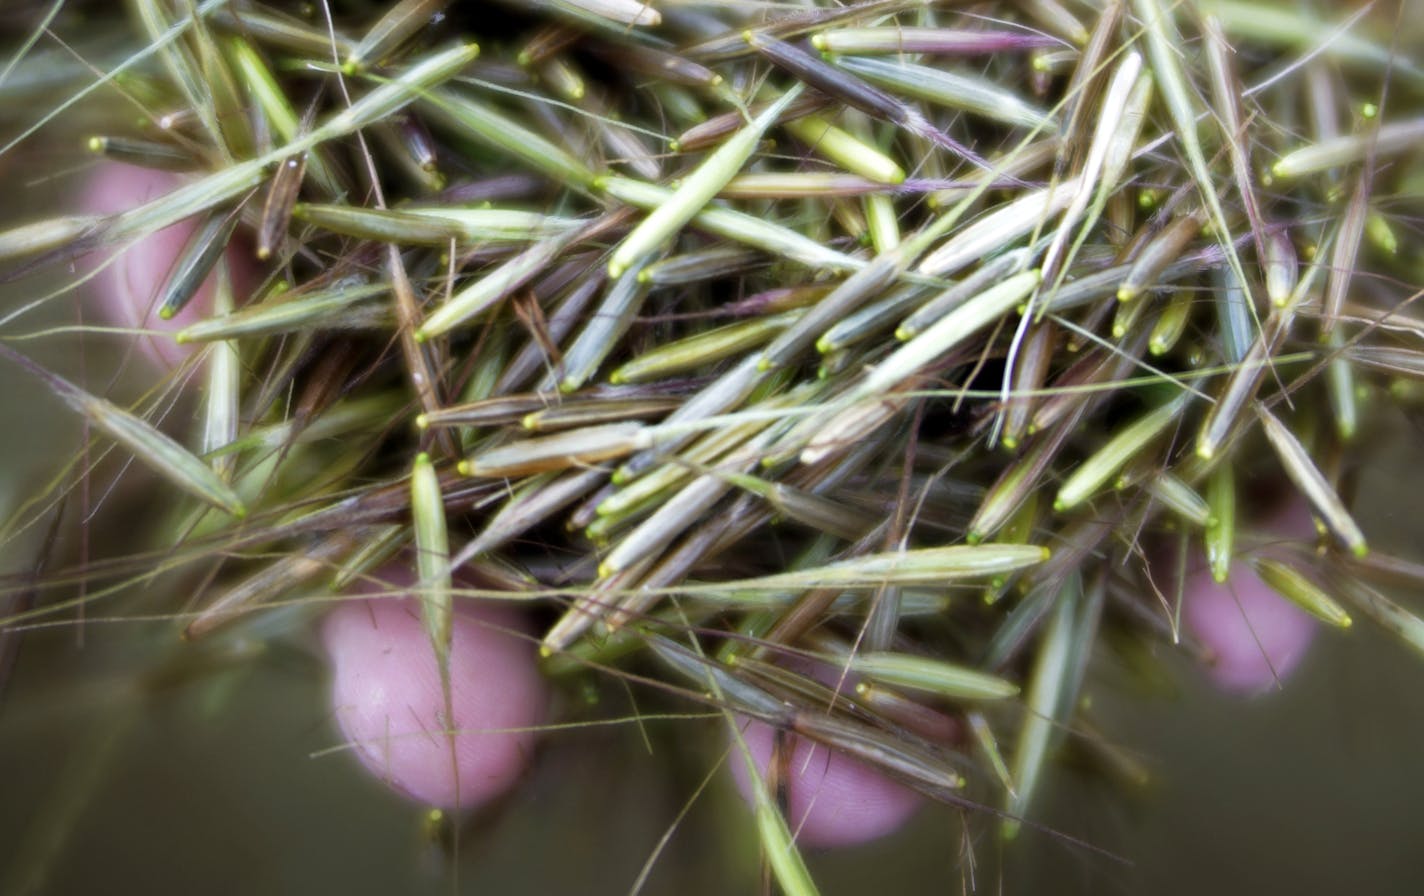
x=389 y=702
x=1256 y=637
x=128 y=279
x=833 y=800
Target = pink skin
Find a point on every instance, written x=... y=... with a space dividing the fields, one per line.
x=1257 y=638
x=832 y=799
x=128 y=279
x=390 y=705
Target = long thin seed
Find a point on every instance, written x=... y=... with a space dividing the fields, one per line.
x=623 y=12
x=952 y=297
x=702 y=349
x=196 y=261
x=277 y=207
x=576 y=447
x=1220 y=536
x=589 y=413
x=1044 y=701
x=842 y=148
x=936 y=41
x=493 y=287
x=946 y=333
x=1308 y=478
x=539 y=499
x=224 y=385
x=235 y=179
x=1390 y=140
x=933 y=85
x=384 y=225
x=269 y=26
x=1116 y=117
x=495 y=411
x=165 y=456
x=432 y=557
x=1281 y=267
x=1165 y=248
x=820 y=513
x=740 y=227
x=1156 y=16
x=605 y=328
x=854 y=291
x=1180 y=498
x=999 y=229
x=267 y=94
x=1287 y=580
x=933 y=676
x=1386 y=613
x=696 y=190
x=1225 y=416
x=270 y=583
x=469 y=117
x=1116 y=453
x=1030 y=372
x=870 y=320
x=699 y=266
x=336 y=307
x=1341 y=378
x=1342 y=258
x=1167 y=330
x=46 y=235
x=855 y=93
x=398 y=25
x=923 y=566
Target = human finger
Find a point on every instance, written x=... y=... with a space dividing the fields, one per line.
x=1255 y=637
x=389 y=701
x=128 y=279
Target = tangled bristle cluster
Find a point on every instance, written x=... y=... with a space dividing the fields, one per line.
x=885 y=336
